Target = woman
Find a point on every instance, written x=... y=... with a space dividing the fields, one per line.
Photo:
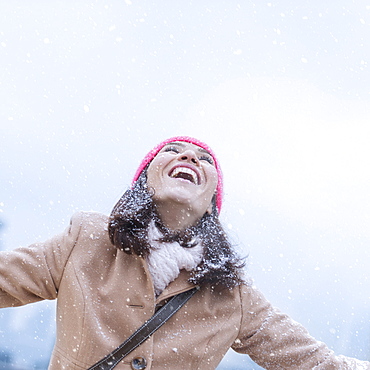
x=163 y=237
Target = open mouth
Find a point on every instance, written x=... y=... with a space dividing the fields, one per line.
x=185 y=173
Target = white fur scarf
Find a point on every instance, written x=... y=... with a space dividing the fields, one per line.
x=165 y=260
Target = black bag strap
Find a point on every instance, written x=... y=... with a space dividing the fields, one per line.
x=145 y=331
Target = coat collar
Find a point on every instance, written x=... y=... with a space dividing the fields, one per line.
x=179 y=285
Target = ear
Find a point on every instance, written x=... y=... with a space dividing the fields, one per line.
x=210 y=207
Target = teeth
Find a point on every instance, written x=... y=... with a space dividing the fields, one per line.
x=186 y=170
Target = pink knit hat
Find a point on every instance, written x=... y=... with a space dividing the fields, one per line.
x=148 y=158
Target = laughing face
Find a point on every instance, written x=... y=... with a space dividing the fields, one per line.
x=183 y=176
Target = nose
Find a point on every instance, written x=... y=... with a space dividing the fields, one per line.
x=189 y=156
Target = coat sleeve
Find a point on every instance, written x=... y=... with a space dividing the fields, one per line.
x=275 y=341
x=33 y=273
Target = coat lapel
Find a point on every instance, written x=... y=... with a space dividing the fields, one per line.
x=179 y=285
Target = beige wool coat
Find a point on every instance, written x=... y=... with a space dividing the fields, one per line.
x=103 y=295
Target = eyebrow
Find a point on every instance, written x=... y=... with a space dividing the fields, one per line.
x=199 y=148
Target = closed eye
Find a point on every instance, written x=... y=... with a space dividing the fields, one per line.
x=171 y=149
x=206 y=158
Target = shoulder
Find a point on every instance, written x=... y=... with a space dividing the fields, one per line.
x=91 y=237
x=89 y=226
x=252 y=299
x=84 y=217
x=87 y=221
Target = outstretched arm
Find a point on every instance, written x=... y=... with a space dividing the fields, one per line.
x=275 y=341
x=33 y=273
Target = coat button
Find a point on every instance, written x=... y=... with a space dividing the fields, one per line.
x=138 y=363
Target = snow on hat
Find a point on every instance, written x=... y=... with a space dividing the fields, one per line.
x=149 y=157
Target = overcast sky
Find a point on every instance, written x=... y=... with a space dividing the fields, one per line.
x=279 y=89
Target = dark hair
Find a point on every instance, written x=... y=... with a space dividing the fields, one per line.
x=128 y=230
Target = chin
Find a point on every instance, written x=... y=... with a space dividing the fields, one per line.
x=180 y=196
x=177 y=200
